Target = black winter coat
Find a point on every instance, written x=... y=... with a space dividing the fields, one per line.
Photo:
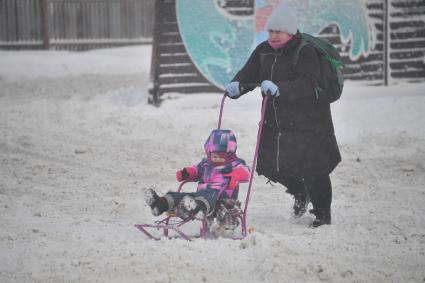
x=298 y=136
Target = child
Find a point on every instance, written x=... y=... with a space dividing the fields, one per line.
x=218 y=176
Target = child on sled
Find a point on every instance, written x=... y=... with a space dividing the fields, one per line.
x=218 y=176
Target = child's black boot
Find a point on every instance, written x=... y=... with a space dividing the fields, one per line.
x=158 y=204
x=323 y=217
x=228 y=213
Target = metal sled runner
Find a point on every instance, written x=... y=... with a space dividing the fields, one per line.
x=174 y=224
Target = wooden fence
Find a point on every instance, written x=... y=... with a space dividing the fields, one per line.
x=74 y=24
x=406 y=40
x=398 y=49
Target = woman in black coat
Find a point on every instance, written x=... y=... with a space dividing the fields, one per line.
x=298 y=147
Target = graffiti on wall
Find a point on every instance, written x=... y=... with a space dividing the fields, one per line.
x=219 y=42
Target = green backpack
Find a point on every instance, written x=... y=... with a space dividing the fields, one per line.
x=332 y=82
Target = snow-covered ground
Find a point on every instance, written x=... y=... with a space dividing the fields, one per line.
x=79 y=144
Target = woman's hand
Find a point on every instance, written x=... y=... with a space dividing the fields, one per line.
x=268 y=87
x=233 y=89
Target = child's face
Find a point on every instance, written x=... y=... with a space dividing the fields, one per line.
x=216 y=158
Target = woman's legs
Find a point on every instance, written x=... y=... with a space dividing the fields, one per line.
x=295 y=186
x=320 y=190
x=317 y=189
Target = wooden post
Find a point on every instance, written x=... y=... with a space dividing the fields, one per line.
x=45 y=19
x=386 y=40
x=154 y=60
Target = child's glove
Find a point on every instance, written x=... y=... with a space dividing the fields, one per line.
x=237 y=176
x=268 y=87
x=182 y=175
x=187 y=174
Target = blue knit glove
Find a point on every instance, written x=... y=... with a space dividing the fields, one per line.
x=269 y=87
x=233 y=90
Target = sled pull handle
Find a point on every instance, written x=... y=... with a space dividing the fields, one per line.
x=254 y=162
x=242 y=87
x=221 y=111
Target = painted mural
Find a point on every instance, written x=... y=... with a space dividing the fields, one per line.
x=219 y=42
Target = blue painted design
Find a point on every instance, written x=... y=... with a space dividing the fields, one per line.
x=218 y=45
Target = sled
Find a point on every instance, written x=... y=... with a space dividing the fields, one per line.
x=172 y=225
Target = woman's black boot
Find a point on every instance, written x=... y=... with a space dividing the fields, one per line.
x=323 y=216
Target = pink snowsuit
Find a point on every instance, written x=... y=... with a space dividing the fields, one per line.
x=219 y=179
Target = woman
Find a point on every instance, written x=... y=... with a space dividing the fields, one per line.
x=298 y=147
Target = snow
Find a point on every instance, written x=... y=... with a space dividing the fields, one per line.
x=79 y=145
